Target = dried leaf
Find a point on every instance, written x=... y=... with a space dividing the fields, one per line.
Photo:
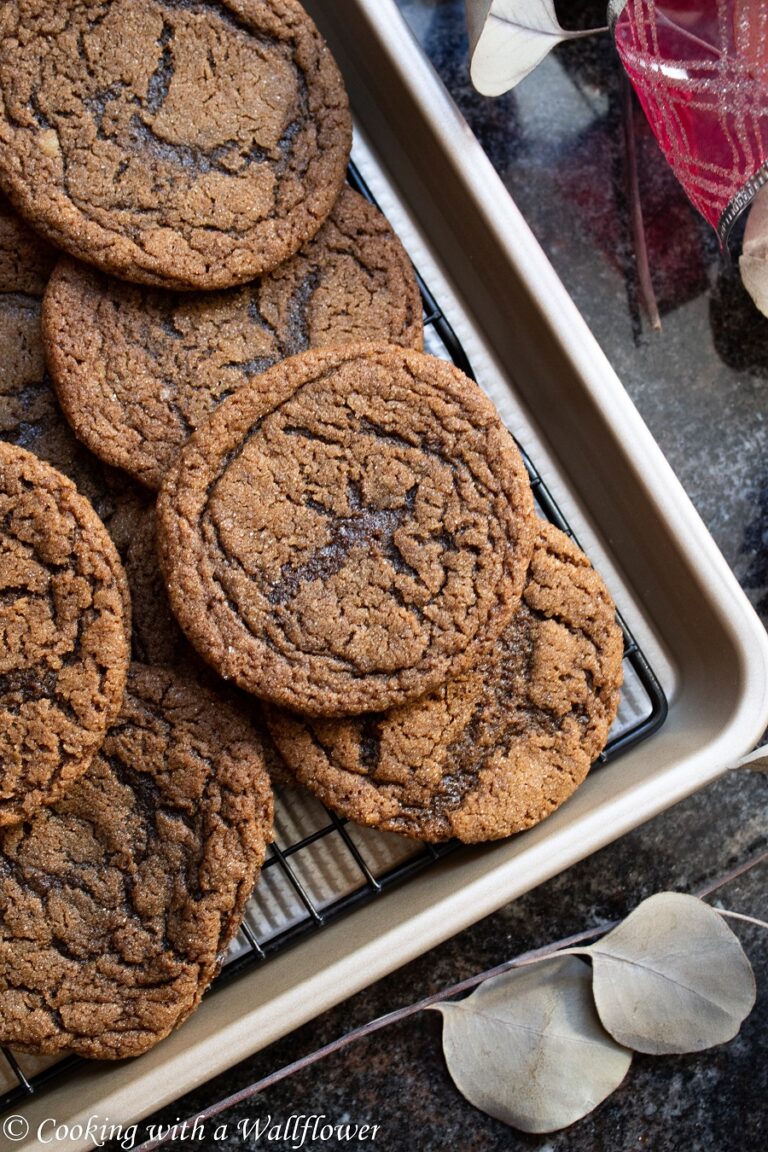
x=672 y=977
x=527 y=1047
x=508 y=38
x=753 y=264
x=615 y=9
x=756 y=761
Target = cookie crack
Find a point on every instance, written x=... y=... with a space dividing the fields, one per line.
x=32 y=686
x=160 y=80
x=222 y=13
x=297 y=339
x=98 y=102
x=370 y=745
x=372 y=527
x=557 y=617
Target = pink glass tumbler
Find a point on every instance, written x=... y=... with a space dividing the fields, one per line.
x=700 y=70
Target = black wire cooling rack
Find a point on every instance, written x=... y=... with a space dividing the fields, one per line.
x=320 y=866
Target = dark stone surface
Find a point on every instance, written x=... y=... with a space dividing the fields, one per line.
x=701 y=384
x=713 y=1101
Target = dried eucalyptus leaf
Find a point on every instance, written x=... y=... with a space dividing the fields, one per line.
x=672 y=977
x=528 y=1048
x=615 y=9
x=508 y=38
x=756 y=761
x=753 y=264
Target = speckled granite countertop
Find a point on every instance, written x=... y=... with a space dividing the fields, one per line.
x=701 y=385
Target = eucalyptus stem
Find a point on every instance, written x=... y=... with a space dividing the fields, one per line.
x=733 y=874
x=581 y=33
x=740 y=916
x=374 y=1026
x=341 y=1042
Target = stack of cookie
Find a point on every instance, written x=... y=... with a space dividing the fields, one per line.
x=135 y=807
x=214 y=388
x=352 y=539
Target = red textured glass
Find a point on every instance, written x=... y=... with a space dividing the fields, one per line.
x=700 y=69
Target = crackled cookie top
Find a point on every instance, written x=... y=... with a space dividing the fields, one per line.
x=63 y=633
x=496 y=749
x=138 y=369
x=344 y=533
x=116 y=903
x=189 y=143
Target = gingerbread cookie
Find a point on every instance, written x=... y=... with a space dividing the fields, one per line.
x=183 y=144
x=117 y=903
x=496 y=749
x=64 y=624
x=137 y=370
x=348 y=532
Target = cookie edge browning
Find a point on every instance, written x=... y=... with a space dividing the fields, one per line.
x=245 y=759
x=44 y=474
x=60 y=301
x=71 y=230
x=182 y=497
x=359 y=799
